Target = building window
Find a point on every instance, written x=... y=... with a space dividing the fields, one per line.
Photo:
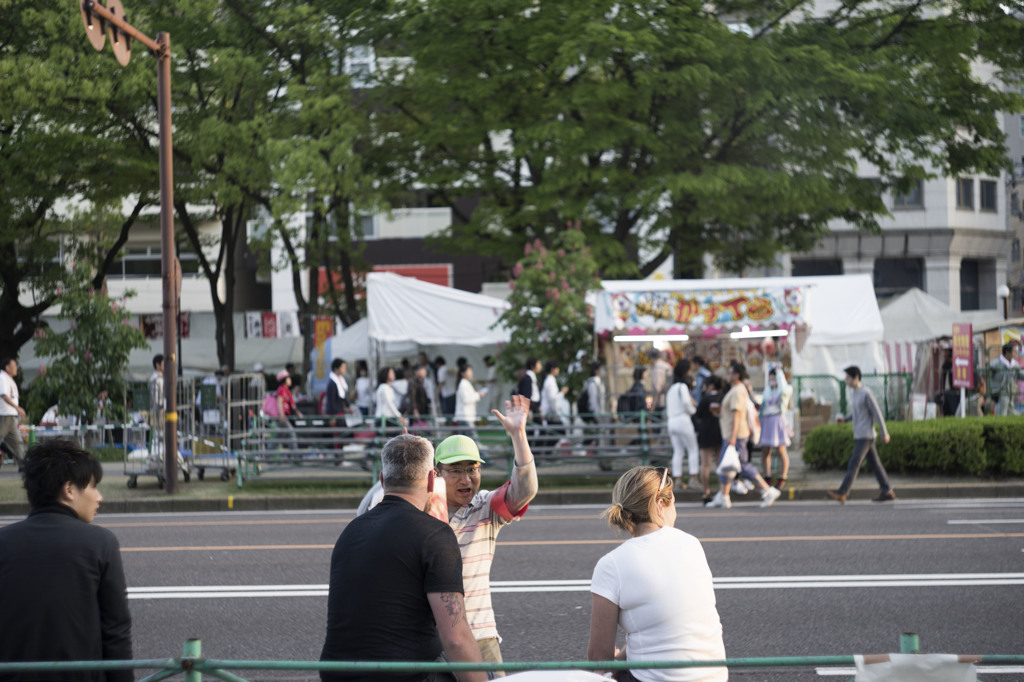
x=987 y=195
x=970 y=298
x=360 y=65
x=145 y=262
x=818 y=266
x=913 y=198
x=1015 y=251
x=1015 y=203
x=1022 y=126
x=965 y=193
x=893 y=276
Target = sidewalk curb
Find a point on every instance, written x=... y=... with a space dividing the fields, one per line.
x=556 y=497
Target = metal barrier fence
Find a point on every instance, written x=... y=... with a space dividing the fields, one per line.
x=143 y=443
x=824 y=395
x=192 y=665
x=606 y=441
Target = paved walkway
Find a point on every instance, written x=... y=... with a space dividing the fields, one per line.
x=804 y=484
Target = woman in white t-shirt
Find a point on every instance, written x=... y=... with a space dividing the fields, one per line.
x=656 y=586
x=466 y=399
x=679 y=410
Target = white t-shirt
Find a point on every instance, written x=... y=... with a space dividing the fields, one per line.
x=662 y=585
x=386 y=403
x=9 y=389
x=678 y=402
x=466 y=398
x=549 y=396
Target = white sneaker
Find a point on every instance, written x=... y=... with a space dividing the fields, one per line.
x=769 y=496
x=741 y=487
x=720 y=500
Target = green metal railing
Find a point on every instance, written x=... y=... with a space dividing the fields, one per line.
x=191 y=665
x=891 y=390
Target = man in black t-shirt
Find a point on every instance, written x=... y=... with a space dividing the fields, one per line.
x=396 y=578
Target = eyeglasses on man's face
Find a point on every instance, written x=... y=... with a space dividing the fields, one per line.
x=459 y=472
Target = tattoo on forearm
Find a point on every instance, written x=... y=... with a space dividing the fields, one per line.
x=453 y=607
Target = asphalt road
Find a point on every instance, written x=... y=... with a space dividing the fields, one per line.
x=797 y=579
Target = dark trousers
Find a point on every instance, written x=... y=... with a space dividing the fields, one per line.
x=865 y=447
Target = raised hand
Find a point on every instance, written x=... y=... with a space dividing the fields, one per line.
x=517 y=414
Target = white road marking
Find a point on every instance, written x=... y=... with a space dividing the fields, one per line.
x=538 y=586
x=980 y=522
x=982 y=669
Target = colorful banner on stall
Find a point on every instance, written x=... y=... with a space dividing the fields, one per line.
x=709 y=312
x=963 y=356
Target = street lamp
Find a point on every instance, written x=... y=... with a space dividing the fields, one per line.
x=102 y=22
x=1003 y=292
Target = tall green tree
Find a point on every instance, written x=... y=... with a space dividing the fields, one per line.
x=65 y=162
x=681 y=127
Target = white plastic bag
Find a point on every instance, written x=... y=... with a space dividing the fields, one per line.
x=730 y=462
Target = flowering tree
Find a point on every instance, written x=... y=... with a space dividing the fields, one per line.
x=549 y=318
x=86 y=363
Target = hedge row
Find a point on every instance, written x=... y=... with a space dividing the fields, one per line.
x=976 y=445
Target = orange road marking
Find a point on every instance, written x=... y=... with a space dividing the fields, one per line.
x=517 y=543
x=192 y=524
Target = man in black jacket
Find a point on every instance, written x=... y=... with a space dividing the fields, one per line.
x=62 y=587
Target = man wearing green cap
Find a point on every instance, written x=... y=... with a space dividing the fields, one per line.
x=477 y=515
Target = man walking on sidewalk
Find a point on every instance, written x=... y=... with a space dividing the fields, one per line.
x=865 y=414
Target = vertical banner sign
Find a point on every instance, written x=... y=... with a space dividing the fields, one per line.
x=323 y=329
x=963 y=356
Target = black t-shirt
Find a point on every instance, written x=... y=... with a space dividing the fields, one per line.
x=383 y=566
x=709 y=435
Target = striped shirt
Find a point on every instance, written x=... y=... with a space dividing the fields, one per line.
x=476 y=528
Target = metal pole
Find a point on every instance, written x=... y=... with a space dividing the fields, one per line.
x=192 y=649
x=168 y=273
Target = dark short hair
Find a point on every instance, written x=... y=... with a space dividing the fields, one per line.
x=382 y=375
x=1007 y=348
x=336 y=363
x=52 y=463
x=157 y=359
x=853 y=371
x=531 y=362
x=595 y=367
x=638 y=373
x=550 y=365
x=740 y=370
x=439 y=360
x=698 y=360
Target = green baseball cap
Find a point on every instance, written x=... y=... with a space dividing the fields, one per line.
x=457 y=449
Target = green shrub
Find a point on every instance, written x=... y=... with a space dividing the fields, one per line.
x=828 y=446
x=936 y=445
x=1004 y=444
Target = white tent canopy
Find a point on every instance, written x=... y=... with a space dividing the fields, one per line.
x=914 y=316
x=403 y=310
